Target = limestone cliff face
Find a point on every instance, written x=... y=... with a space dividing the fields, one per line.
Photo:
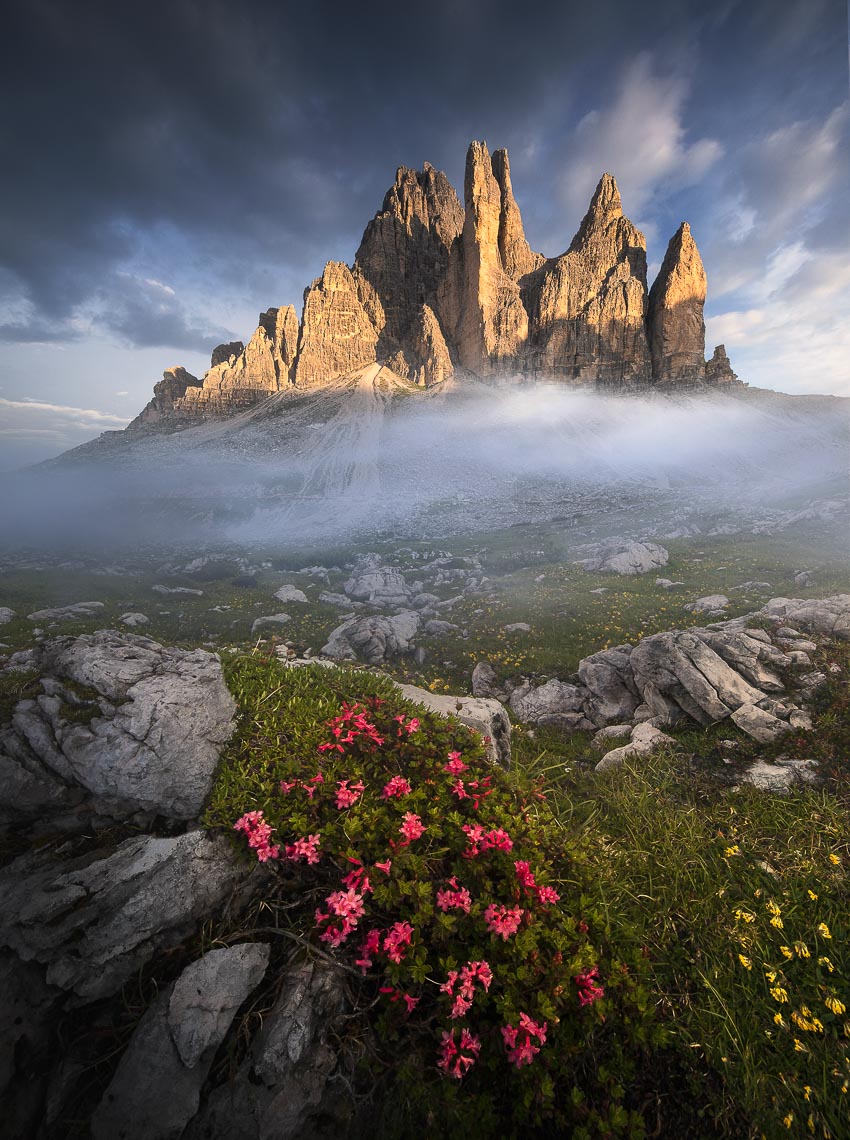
x=518 y=258
x=437 y=288
x=425 y=360
x=480 y=303
x=404 y=252
x=167 y=394
x=718 y=370
x=675 y=320
x=337 y=335
x=588 y=307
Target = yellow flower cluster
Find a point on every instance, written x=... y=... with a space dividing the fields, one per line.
x=806 y=1020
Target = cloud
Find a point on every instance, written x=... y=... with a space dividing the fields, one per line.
x=779 y=281
x=640 y=137
x=32 y=429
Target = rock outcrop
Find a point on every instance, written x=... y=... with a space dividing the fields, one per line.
x=718 y=370
x=438 y=288
x=588 y=307
x=676 y=325
x=731 y=670
x=337 y=334
x=122 y=726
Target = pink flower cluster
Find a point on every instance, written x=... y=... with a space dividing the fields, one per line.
x=346 y=796
x=399 y=936
x=411 y=828
x=455 y=765
x=345 y=905
x=397 y=787
x=309 y=786
x=370 y=946
x=474 y=790
x=503 y=920
x=518 y=1040
x=478 y=840
x=455 y=897
x=346 y=727
x=357 y=879
x=409 y=726
x=546 y=895
x=259 y=835
x=465 y=979
x=589 y=989
x=306 y=848
x=456 y=1058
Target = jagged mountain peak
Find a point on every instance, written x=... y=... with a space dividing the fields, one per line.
x=438 y=288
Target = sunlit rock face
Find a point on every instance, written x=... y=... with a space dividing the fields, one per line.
x=676 y=325
x=438 y=289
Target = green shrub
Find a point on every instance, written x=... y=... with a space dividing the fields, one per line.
x=464 y=887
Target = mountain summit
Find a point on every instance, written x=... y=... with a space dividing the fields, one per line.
x=439 y=289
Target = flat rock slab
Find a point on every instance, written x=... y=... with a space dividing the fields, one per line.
x=781 y=777
x=6 y=615
x=625 y=558
x=487 y=717
x=67 y=613
x=645 y=740
x=156 y=1089
x=291 y=594
x=760 y=725
x=270 y=619
x=157 y=721
x=284 y=1089
x=94 y=920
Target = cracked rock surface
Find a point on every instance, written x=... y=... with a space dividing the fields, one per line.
x=123 y=725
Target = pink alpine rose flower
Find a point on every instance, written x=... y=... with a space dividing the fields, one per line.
x=503 y=920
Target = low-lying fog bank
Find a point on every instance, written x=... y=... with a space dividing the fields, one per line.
x=358 y=462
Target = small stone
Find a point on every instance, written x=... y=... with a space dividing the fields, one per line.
x=292 y=594
x=133 y=619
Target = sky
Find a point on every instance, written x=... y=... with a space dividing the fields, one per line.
x=173 y=168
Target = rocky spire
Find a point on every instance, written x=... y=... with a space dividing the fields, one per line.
x=337 y=336
x=482 y=303
x=517 y=256
x=718 y=370
x=404 y=252
x=588 y=307
x=675 y=317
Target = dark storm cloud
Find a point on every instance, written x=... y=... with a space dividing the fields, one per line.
x=265 y=133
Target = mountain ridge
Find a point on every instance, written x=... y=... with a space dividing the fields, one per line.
x=438 y=289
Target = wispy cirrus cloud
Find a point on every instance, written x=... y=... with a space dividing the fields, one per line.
x=32 y=429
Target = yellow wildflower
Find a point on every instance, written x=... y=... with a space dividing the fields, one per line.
x=786 y=951
x=799 y=1047
x=744 y=915
x=776 y=921
x=730 y=851
x=788 y=1120
x=770 y=975
x=812 y=895
x=824 y=961
x=834 y=859
x=801 y=950
x=780 y=1021
x=772 y=908
x=834 y=1005
x=807 y=1090
x=823 y=930
x=779 y=993
x=747 y=963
